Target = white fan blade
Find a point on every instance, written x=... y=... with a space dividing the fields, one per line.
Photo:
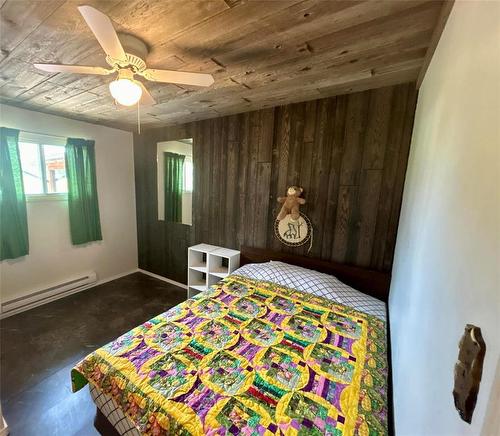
x=77 y=69
x=180 y=77
x=104 y=31
x=146 y=98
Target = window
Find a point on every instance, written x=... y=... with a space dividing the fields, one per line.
x=188 y=174
x=43 y=168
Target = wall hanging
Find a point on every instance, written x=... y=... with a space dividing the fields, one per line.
x=468 y=371
x=292 y=227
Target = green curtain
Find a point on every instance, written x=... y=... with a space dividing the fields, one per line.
x=174 y=165
x=83 y=204
x=13 y=219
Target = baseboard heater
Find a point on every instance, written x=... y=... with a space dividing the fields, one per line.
x=48 y=294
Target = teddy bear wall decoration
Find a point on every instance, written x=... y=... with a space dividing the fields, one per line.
x=291 y=203
x=292 y=227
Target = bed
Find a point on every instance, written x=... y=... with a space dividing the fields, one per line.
x=275 y=348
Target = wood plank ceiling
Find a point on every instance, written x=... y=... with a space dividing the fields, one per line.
x=261 y=53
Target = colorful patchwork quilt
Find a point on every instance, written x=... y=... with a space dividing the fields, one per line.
x=251 y=358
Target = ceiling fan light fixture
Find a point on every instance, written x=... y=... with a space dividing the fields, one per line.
x=125 y=90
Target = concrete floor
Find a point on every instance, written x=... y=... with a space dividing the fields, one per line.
x=40 y=346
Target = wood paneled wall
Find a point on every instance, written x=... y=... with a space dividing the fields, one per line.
x=349 y=153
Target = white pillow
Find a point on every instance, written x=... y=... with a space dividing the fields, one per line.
x=313 y=282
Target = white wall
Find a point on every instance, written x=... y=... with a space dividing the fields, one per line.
x=447 y=262
x=52 y=258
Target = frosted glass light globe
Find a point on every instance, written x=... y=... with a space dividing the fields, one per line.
x=125 y=91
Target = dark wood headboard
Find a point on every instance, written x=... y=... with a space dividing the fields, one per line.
x=374 y=283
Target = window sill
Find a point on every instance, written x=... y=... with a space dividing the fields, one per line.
x=46 y=197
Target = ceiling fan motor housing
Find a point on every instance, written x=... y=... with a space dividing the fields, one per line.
x=136 y=51
x=125 y=73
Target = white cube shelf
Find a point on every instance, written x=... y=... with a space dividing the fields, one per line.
x=208 y=264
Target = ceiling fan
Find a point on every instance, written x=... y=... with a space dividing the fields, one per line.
x=125 y=54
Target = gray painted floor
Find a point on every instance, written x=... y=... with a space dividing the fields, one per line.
x=40 y=346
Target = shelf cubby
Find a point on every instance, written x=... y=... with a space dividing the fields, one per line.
x=207 y=265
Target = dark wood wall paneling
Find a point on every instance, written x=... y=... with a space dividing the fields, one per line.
x=349 y=153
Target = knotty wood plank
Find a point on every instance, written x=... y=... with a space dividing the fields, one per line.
x=338 y=125
x=307 y=147
x=320 y=18
x=231 y=201
x=327 y=174
x=260 y=223
x=18 y=19
x=280 y=163
x=205 y=167
x=223 y=180
x=355 y=129
x=296 y=139
x=377 y=127
x=322 y=121
x=244 y=120
x=398 y=112
x=267 y=134
x=214 y=169
x=348 y=198
x=348 y=47
x=306 y=176
x=232 y=205
x=224 y=32
x=314 y=191
x=159 y=20
x=364 y=84
x=273 y=188
x=251 y=174
x=296 y=144
x=283 y=150
x=276 y=159
x=369 y=189
x=62 y=37
x=399 y=183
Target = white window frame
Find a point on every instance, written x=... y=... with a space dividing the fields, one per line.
x=40 y=140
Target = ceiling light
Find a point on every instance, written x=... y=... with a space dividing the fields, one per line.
x=125 y=90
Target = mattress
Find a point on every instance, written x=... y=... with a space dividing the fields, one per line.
x=114 y=414
x=245 y=357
